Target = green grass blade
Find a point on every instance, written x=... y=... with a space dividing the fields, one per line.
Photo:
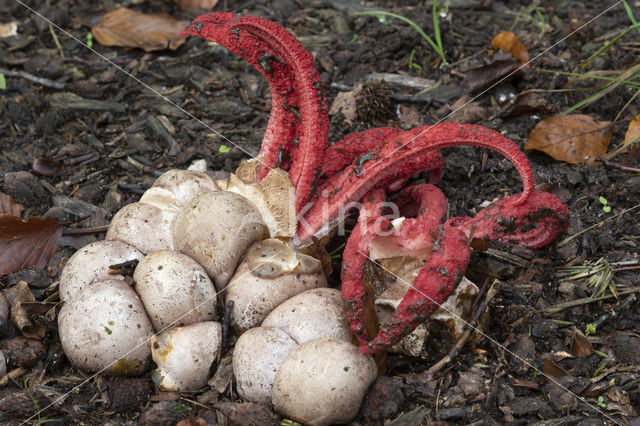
x=609 y=44
x=629 y=12
x=436 y=29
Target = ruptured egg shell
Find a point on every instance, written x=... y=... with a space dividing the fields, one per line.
x=185 y=355
x=174 y=289
x=104 y=327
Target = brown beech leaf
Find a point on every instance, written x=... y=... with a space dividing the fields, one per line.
x=573 y=138
x=9 y=206
x=632 y=137
x=580 y=345
x=45 y=166
x=128 y=28
x=508 y=42
x=551 y=368
x=504 y=40
x=528 y=102
x=25 y=244
x=18 y=296
x=520 y=52
x=482 y=77
x=196 y=4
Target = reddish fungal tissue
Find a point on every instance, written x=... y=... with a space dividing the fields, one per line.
x=365 y=167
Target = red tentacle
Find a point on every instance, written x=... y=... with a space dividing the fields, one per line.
x=414 y=237
x=297 y=132
x=387 y=162
x=435 y=282
x=354 y=257
x=534 y=223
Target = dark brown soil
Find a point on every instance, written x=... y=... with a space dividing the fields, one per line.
x=109 y=149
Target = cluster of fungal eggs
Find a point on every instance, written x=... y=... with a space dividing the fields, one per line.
x=194 y=243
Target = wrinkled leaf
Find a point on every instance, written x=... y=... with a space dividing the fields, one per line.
x=580 y=345
x=345 y=104
x=551 y=368
x=196 y=4
x=526 y=103
x=128 y=28
x=10 y=29
x=508 y=42
x=45 y=166
x=632 y=137
x=465 y=111
x=573 y=138
x=18 y=296
x=25 y=244
x=9 y=206
x=504 y=40
x=482 y=77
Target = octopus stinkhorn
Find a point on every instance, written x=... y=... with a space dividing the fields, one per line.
x=365 y=167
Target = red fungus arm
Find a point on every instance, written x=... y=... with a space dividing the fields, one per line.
x=535 y=223
x=353 y=259
x=392 y=159
x=433 y=285
x=297 y=132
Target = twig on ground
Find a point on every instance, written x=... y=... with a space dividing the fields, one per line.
x=578 y=302
x=571 y=237
x=616 y=165
x=618 y=308
x=85 y=231
x=35 y=79
x=470 y=328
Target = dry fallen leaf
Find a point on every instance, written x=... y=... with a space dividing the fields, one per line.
x=10 y=29
x=345 y=104
x=508 y=42
x=527 y=103
x=482 y=77
x=128 y=28
x=196 y=4
x=632 y=137
x=580 y=345
x=9 y=206
x=504 y=40
x=17 y=296
x=25 y=244
x=465 y=111
x=573 y=138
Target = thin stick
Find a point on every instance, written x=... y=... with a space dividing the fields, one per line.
x=470 y=328
x=586 y=300
x=616 y=165
x=571 y=237
x=56 y=41
x=35 y=79
x=84 y=231
x=618 y=308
